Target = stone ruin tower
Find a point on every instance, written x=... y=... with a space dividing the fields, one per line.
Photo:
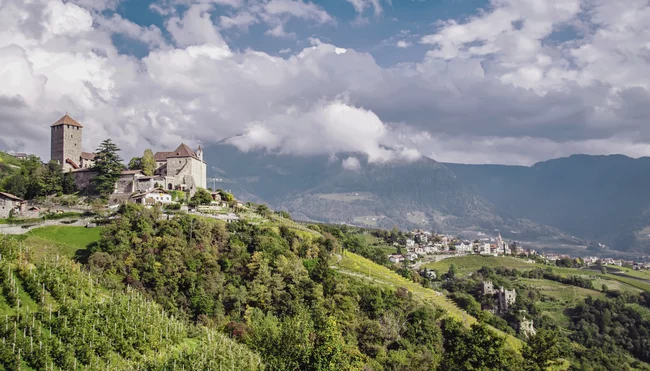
x=66 y=142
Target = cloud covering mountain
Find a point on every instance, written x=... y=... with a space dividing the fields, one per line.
x=514 y=82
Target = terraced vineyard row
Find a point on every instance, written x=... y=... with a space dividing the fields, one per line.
x=53 y=316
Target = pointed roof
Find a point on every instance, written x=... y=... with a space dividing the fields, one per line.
x=67 y=120
x=183 y=151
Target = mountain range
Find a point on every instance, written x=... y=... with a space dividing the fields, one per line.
x=575 y=202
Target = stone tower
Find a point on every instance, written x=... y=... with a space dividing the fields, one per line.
x=66 y=142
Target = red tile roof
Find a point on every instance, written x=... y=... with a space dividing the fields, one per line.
x=10 y=196
x=72 y=163
x=183 y=151
x=87 y=155
x=67 y=120
x=131 y=172
x=161 y=156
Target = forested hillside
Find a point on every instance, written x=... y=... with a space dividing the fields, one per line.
x=194 y=293
x=56 y=317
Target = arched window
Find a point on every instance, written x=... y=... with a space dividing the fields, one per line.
x=170 y=186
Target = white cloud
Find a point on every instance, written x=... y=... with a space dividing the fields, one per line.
x=298 y=9
x=403 y=44
x=241 y=20
x=361 y=5
x=152 y=35
x=195 y=28
x=327 y=127
x=67 y=19
x=351 y=163
x=494 y=88
x=278 y=31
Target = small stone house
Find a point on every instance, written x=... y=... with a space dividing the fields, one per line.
x=9 y=202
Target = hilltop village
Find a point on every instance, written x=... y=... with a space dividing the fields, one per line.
x=70 y=181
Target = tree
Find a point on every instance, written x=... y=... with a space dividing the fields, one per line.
x=603 y=269
x=51 y=180
x=542 y=351
x=201 y=197
x=451 y=273
x=108 y=164
x=263 y=210
x=16 y=185
x=68 y=186
x=135 y=163
x=225 y=196
x=148 y=162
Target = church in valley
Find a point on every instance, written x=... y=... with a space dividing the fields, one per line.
x=182 y=169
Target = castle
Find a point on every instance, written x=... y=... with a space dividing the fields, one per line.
x=181 y=169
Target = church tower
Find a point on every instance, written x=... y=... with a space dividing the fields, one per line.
x=66 y=142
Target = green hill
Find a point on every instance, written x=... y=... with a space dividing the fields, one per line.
x=57 y=317
x=9 y=165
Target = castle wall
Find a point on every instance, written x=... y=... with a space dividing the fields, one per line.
x=82 y=179
x=125 y=184
x=65 y=143
x=199 y=173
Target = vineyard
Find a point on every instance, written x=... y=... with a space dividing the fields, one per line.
x=54 y=316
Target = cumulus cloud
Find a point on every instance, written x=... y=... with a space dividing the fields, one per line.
x=351 y=163
x=403 y=44
x=327 y=127
x=497 y=87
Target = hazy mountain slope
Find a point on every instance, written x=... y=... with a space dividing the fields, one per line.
x=604 y=198
x=423 y=193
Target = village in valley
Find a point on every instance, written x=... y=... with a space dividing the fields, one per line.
x=420 y=246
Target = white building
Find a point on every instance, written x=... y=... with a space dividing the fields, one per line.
x=153 y=197
x=410 y=242
x=464 y=247
x=396 y=258
x=484 y=249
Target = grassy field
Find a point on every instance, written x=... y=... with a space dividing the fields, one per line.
x=471 y=263
x=557 y=297
x=62 y=240
x=356 y=265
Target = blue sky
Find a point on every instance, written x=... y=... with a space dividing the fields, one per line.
x=376 y=34
x=489 y=81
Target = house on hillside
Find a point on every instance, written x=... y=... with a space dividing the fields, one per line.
x=153 y=197
x=396 y=258
x=20 y=155
x=9 y=203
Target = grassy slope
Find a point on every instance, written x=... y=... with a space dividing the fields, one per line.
x=8 y=164
x=62 y=240
x=472 y=263
x=358 y=266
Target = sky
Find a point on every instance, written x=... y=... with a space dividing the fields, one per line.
x=468 y=81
